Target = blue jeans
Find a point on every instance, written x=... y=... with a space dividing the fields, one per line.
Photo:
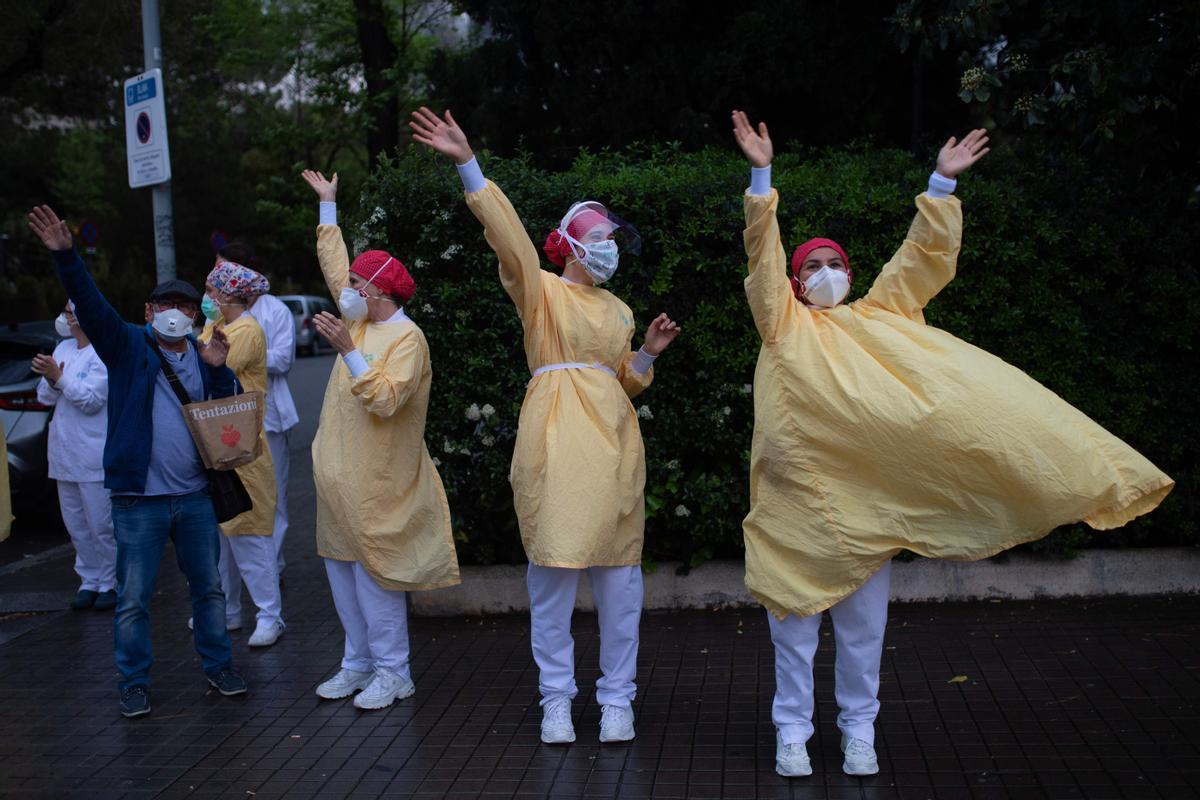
x=141 y=526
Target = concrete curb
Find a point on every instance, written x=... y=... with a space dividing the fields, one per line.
x=1094 y=573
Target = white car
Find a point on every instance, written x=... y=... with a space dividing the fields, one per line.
x=304 y=307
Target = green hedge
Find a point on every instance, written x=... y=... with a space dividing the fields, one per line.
x=1059 y=274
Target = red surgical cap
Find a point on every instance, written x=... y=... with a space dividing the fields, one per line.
x=386 y=273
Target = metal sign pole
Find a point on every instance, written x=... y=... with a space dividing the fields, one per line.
x=164 y=217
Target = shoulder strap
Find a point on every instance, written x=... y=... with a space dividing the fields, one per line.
x=172 y=378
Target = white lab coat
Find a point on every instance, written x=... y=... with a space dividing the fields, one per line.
x=279 y=326
x=80 y=424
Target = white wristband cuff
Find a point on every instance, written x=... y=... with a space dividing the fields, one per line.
x=940 y=185
x=471 y=175
x=355 y=363
x=760 y=180
x=642 y=361
x=328 y=213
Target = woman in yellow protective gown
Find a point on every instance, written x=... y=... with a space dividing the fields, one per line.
x=579 y=468
x=247 y=546
x=383 y=524
x=6 y=516
x=876 y=433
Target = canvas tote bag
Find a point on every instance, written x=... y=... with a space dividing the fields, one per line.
x=236 y=428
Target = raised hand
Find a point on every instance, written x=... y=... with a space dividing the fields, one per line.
x=442 y=135
x=215 y=352
x=956 y=156
x=756 y=145
x=326 y=190
x=334 y=331
x=662 y=332
x=46 y=225
x=46 y=366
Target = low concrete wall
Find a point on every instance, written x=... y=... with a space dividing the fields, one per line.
x=501 y=590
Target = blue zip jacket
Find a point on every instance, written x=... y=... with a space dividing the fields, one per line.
x=133 y=367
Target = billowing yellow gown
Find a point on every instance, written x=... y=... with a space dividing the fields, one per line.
x=380 y=500
x=579 y=467
x=876 y=433
x=6 y=516
x=248 y=360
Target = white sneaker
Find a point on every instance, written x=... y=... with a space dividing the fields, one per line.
x=616 y=724
x=556 y=722
x=230 y=624
x=383 y=690
x=345 y=683
x=860 y=757
x=265 y=634
x=791 y=760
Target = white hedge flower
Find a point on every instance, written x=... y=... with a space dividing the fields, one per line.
x=450 y=251
x=487 y=410
x=682 y=511
x=727 y=411
x=473 y=413
x=420 y=263
x=428 y=309
x=673 y=463
x=645 y=413
x=488 y=441
x=447 y=447
x=437 y=462
x=747 y=388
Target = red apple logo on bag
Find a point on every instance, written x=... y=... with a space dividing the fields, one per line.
x=230 y=436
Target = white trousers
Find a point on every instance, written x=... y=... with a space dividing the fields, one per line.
x=87 y=513
x=375 y=620
x=618 y=595
x=858 y=624
x=250 y=559
x=278 y=445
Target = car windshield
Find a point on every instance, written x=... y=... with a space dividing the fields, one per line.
x=15 y=361
x=295 y=306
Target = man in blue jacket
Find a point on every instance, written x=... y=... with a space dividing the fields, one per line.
x=158 y=483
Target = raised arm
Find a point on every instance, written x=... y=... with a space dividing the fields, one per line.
x=520 y=272
x=99 y=320
x=767 y=288
x=331 y=248
x=928 y=258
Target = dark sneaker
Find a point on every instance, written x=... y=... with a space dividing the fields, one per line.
x=135 y=701
x=105 y=601
x=228 y=683
x=86 y=598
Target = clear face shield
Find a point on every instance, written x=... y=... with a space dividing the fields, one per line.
x=597 y=238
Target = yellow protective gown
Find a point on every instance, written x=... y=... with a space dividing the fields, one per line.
x=579 y=467
x=380 y=500
x=875 y=433
x=6 y=516
x=248 y=360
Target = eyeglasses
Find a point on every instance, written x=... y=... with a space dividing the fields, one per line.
x=185 y=306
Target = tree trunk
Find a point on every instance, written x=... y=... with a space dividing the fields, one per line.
x=378 y=56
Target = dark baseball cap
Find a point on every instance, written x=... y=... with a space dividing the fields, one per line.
x=181 y=290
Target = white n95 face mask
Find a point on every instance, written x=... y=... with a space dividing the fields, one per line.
x=61 y=326
x=600 y=259
x=827 y=287
x=172 y=324
x=352 y=304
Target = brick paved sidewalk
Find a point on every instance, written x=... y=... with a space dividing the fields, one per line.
x=987 y=700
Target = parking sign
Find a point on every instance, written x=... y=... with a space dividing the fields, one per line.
x=148 y=155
